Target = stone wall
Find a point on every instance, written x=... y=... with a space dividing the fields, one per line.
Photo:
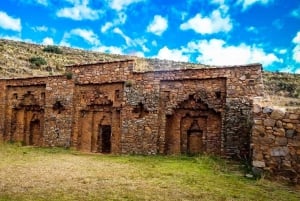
x=122 y=107
x=276 y=141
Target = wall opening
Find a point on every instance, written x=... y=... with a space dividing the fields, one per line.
x=34 y=132
x=105 y=138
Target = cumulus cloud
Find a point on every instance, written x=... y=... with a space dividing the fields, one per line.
x=216 y=52
x=88 y=35
x=9 y=23
x=79 y=11
x=48 y=41
x=122 y=4
x=172 y=54
x=248 y=3
x=208 y=25
x=158 y=25
x=296 y=50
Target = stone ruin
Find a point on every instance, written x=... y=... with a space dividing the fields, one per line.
x=115 y=107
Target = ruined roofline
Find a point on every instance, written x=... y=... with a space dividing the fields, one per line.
x=143 y=65
x=33 y=77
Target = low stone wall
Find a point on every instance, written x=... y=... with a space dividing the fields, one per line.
x=276 y=142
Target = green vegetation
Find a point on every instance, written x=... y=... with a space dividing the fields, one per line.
x=37 y=61
x=29 y=173
x=53 y=49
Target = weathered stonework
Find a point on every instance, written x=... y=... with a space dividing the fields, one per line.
x=114 y=107
x=276 y=141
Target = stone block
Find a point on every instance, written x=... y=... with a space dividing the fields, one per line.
x=259 y=164
x=269 y=122
x=279 y=151
x=267 y=110
x=277 y=114
x=281 y=141
x=290 y=133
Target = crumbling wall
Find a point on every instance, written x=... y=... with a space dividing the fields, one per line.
x=276 y=142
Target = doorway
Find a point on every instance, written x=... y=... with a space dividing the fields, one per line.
x=105 y=136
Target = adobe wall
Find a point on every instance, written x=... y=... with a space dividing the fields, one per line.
x=276 y=141
x=169 y=108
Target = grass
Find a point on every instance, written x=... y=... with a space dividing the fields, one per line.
x=29 y=173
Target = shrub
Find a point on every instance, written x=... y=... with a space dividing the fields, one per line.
x=37 y=61
x=52 y=49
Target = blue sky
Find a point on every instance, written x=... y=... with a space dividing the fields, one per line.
x=213 y=32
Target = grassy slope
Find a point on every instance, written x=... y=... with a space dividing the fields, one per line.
x=281 y=88
x=55 y=174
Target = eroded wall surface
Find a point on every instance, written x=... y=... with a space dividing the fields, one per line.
x=112 y=108
x=276 y=141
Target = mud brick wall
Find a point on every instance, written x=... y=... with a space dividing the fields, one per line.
x=276 y=141
x=130 y=106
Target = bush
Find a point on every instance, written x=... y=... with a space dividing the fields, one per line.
x=37 y=61
x=52 y=49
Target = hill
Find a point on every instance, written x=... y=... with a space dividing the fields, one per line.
x=20 y=59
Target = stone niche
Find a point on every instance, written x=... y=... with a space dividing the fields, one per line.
x=97 y=117
x=193 y=116
x=25 y=115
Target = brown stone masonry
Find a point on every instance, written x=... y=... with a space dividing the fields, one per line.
x=276 y=141
x=115 y=107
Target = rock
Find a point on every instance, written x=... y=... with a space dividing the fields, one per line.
x=269 y=122
x=282 y=141
x=256 y=108
x=267 y=110
x=289 y=133
x=257 y=172
x=279 y=151
x=277 y=114
x=279 y=124
x=250 y=176
x=258 y=164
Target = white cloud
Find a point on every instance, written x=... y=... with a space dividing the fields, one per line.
x=125 y=37
x=296 y=50
x=252 y=29
x=122 y=4
x=216 y=52
x=106 y=27
x=109 y=49
x=79 y=11
x=42 y=2
x=121 y=19
x=172 y=54
x=208 y=25
x=132 y=42
x=48 y=41
x=158 y=25
x=40 y=28
x=9 y=23
x=87 y=35
x=248 y=3
x=297 y=70
x=296 y=12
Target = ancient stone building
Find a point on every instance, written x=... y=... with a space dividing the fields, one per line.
x=134 y=107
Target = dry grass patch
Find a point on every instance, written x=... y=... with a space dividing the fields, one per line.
x=55 y=174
